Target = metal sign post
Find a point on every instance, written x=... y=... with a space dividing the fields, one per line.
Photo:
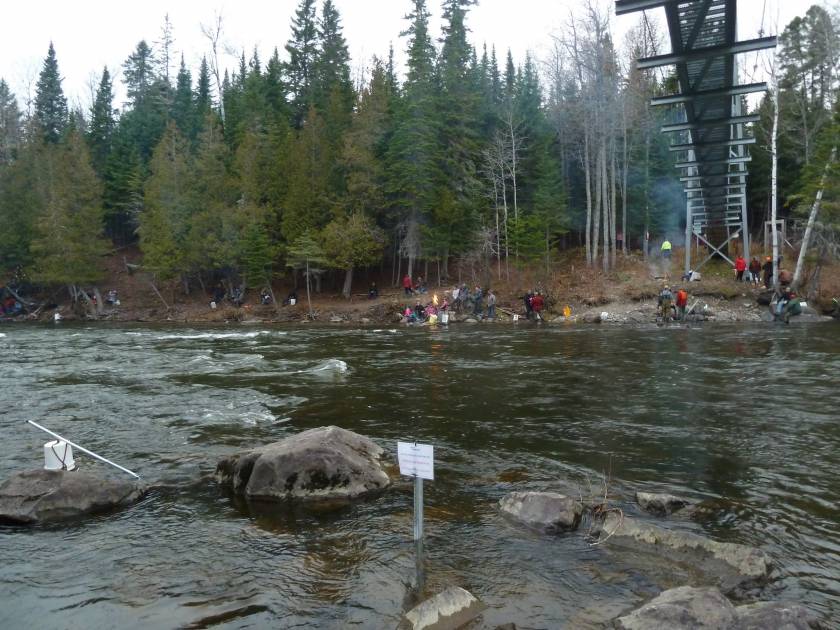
x=418 y=461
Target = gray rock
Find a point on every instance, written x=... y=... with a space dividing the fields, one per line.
x=548 y=512
x=683 y=608
x=470 y=320
x=365 y=320
x=335 y=319
x=447 y=610
x=732 y=564
x=687 y=608
x=42 y=496
x=327 y=463
x=660 y=504
x=776 y=615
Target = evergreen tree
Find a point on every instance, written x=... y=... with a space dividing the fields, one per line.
x=275 y=91
x=123 y=183
x=102 y=123
x=10 y=124
x=351 y=242
x=414 y=155
x=165 y=221
x=303 y=56
x=19 y=203
x=148 y=101
x=51 y=112
x=203 y=97
x=68 y=244
x=307 y=204
x=332 y=89
x=183 y=109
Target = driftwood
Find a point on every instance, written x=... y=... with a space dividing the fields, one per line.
x=155 y=289
x=131 y=267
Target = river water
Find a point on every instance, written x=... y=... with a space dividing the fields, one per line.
x=742 y=417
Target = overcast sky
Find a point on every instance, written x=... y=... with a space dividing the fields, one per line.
x=90 y=34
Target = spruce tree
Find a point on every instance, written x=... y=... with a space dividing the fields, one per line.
x=51 y=112
x=19 y=202
x=414 y=154
x=332 y=88
x=303 y=56
x=183 y=111
x=275 y=91
x=203 y=98
x=102 y=123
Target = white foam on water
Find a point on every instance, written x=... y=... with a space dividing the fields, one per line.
x=212 y=336
x=330 y=365
x=2 y=334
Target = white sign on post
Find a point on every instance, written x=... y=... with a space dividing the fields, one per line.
x=416 y=460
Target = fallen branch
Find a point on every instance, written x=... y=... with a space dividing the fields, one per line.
x=155 y=289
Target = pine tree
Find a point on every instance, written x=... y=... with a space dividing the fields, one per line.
x=102 y=123
x=203 y=98
x=123 y=194
x=303 y=56
x=10 y=125
x=275 y=91
x=148 y=100
x=51 y=112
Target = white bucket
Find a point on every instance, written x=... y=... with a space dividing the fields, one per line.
x=515 y=318
x=292 y=301
x=444 y=318
x=58 y=455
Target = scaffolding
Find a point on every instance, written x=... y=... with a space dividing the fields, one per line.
x=711 y=136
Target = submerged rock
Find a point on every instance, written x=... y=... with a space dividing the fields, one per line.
x=683 y=608
x=687 y=608
x=549 y=512
x=44 y=496
x=447 y=610
x=327 y=463
x=733 y=565
x=660 y=504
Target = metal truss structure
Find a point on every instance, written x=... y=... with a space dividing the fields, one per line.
x=711 y=139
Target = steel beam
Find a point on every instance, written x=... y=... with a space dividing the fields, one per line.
x=694 y=146
x=696 y=54
x=714 y=122
x=696 y=163
x=734 y=90
x=623 y=7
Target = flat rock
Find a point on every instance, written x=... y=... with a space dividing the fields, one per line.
x=683 y=608
x=44 y=496
x=660 y=504
x=548 y=512
x=776 y=615
x=328 y=463
x=732 y=564
x=686 y=608
x=448 y=610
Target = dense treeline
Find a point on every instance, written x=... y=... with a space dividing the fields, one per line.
x=469 y=160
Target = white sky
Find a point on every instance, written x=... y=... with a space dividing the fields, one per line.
x=89 y=34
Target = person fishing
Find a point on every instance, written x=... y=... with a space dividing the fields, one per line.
x=682 y=303
x=537 y=305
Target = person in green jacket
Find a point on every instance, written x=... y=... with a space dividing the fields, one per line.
x=666 y=249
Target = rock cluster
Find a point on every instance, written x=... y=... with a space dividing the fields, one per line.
x=548 y=512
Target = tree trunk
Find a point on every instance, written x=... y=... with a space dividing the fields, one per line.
x=348 y=283
x=587 y=177
x=774 y=154
x=815 y=209
x=308 y=292
x=596 y=211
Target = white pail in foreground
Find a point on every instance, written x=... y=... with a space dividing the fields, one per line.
x=58 y=455
x=292 y=301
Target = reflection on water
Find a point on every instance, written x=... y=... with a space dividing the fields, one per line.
x=742 y=418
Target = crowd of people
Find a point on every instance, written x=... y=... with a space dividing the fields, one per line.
x=671 y=305
x=754 y=272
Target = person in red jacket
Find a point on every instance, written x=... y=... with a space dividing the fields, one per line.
x=537 y=305
x=407 y=285
x=682 y=302
x=740 y=268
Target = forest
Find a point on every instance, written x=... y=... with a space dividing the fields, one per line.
x=468 y=159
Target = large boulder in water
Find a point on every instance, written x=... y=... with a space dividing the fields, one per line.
x=42 y=496
x=688 y=608
x=548 y=512
x=328 y=463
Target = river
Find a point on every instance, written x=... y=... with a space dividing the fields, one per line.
x=745 y=417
